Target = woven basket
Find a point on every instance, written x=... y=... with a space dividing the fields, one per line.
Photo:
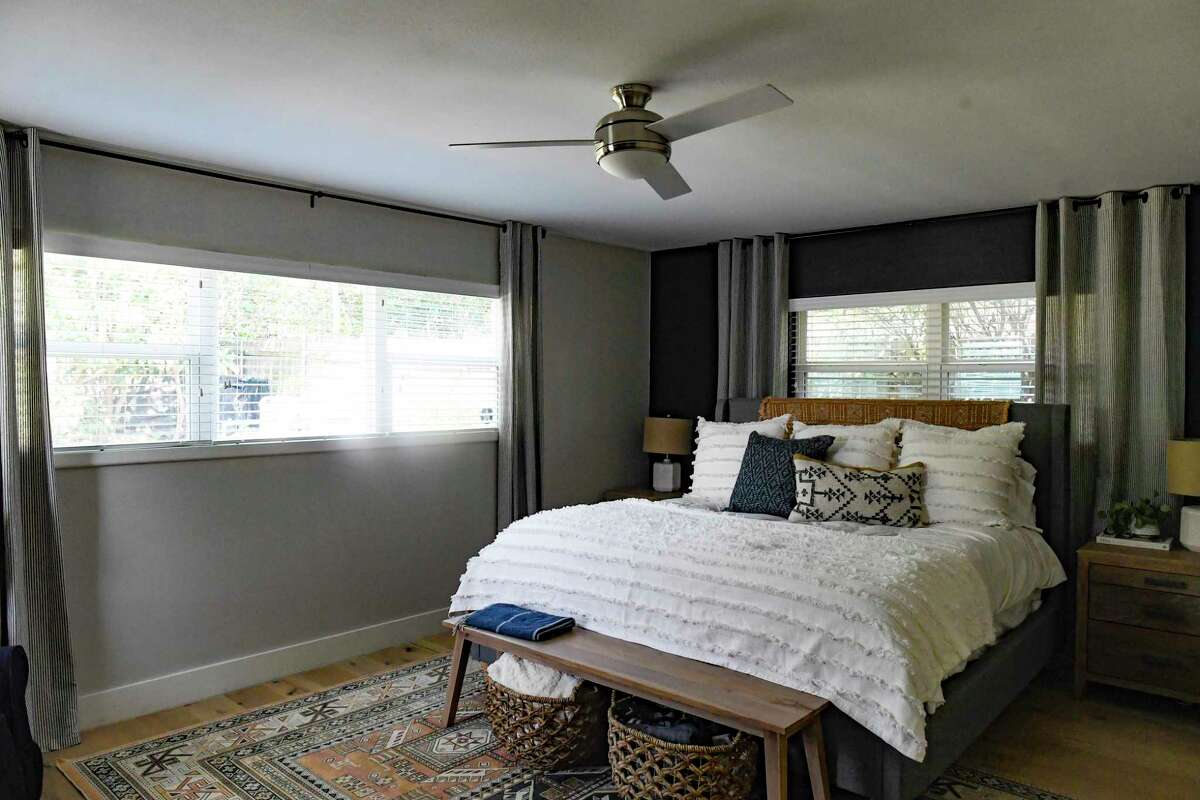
x=647 y=768
x=545 y=733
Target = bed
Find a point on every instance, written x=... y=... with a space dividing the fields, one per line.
x=877 y=747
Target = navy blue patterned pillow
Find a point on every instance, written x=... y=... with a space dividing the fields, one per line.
x=766 y=483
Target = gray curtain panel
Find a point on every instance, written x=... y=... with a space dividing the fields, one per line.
x=1110 y=295
x=518 y=475
x=752 y=306
x=34 y=601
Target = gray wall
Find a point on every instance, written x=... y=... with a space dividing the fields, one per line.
x=177 y=565
x=595 y=369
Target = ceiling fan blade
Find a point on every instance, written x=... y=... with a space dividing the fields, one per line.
x=543 y=143
x=668 y=182
x=742 y=105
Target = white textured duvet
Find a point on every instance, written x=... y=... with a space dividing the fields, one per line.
x=874 y=623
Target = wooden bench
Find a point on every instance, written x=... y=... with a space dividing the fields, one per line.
x=749 y=704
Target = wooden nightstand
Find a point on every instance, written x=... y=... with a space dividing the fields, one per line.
x=1138 y=620
x=638 y=492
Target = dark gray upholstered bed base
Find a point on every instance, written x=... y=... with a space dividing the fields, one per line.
x=859 y=761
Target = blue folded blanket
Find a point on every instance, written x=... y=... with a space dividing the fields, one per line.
x=519 y=623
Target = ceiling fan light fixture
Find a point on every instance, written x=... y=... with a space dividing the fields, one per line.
x=635 y=143
x=633 y=163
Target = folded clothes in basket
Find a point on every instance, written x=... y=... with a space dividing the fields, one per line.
x=519 y=623
x=531 y=678
x=670 y=725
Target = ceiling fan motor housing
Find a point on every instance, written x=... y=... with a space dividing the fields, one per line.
x=623 y=145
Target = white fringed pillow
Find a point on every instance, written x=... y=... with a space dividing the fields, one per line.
x=971 y=476
x=1022 y=511
x=861 y=446
x=718 y=459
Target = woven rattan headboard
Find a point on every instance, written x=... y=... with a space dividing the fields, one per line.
x=967 y=414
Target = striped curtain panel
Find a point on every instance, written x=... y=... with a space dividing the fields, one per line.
x=518 y=472
x=35 y=612
x=1110 y=295
x=752 y=306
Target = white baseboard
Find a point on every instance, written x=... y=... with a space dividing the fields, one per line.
x=190 y=685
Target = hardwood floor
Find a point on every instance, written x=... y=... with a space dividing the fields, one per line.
x=1115 y=744
x=1112 y=745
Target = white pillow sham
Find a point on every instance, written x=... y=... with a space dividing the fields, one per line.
x=1021 y=508
x=861 y=446
x=971 y=476
x=720 y=447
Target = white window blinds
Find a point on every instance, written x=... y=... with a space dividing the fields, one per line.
x=143 y=354
x=990 y=349
x=976 y=342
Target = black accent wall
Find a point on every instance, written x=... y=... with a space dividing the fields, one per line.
x=683 y=335
x=683 y=332
x=954 y=251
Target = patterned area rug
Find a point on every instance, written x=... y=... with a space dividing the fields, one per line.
x=374 y=738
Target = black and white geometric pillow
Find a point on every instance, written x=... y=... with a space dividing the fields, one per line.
x=826 y=492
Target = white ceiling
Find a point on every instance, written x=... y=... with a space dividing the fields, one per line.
x=903 y=109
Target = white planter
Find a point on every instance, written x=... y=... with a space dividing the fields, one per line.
x=1189 y=527
x=1146 y=531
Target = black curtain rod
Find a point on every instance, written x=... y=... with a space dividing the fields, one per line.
x=313 y=194
x=1176 y=192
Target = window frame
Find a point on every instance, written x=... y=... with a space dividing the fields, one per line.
x=938 y=366
x=201 y=447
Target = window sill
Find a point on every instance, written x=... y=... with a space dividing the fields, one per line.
x=78 y=459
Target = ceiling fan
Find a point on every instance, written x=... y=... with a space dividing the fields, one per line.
x=635 y=143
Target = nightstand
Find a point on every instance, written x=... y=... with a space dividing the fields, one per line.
x=1138 y=620
x=638 y=492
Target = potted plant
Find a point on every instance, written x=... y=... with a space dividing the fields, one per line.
x=1142 y=518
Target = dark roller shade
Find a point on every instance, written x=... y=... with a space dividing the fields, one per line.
x=925 y=254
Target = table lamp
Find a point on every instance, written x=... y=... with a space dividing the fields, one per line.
x=1183 y=477
x=667 y=436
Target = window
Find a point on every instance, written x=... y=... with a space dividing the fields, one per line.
x=152 y=354
x=971 y=343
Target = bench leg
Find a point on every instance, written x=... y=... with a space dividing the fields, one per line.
x=814 y=752
x=775 y=747
x=458 y=670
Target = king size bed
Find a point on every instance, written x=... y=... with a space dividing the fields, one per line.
x=919 y=637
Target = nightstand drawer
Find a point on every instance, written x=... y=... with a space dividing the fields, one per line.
x=1164 y=611
x=1144 y=579
x=1151 y=657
